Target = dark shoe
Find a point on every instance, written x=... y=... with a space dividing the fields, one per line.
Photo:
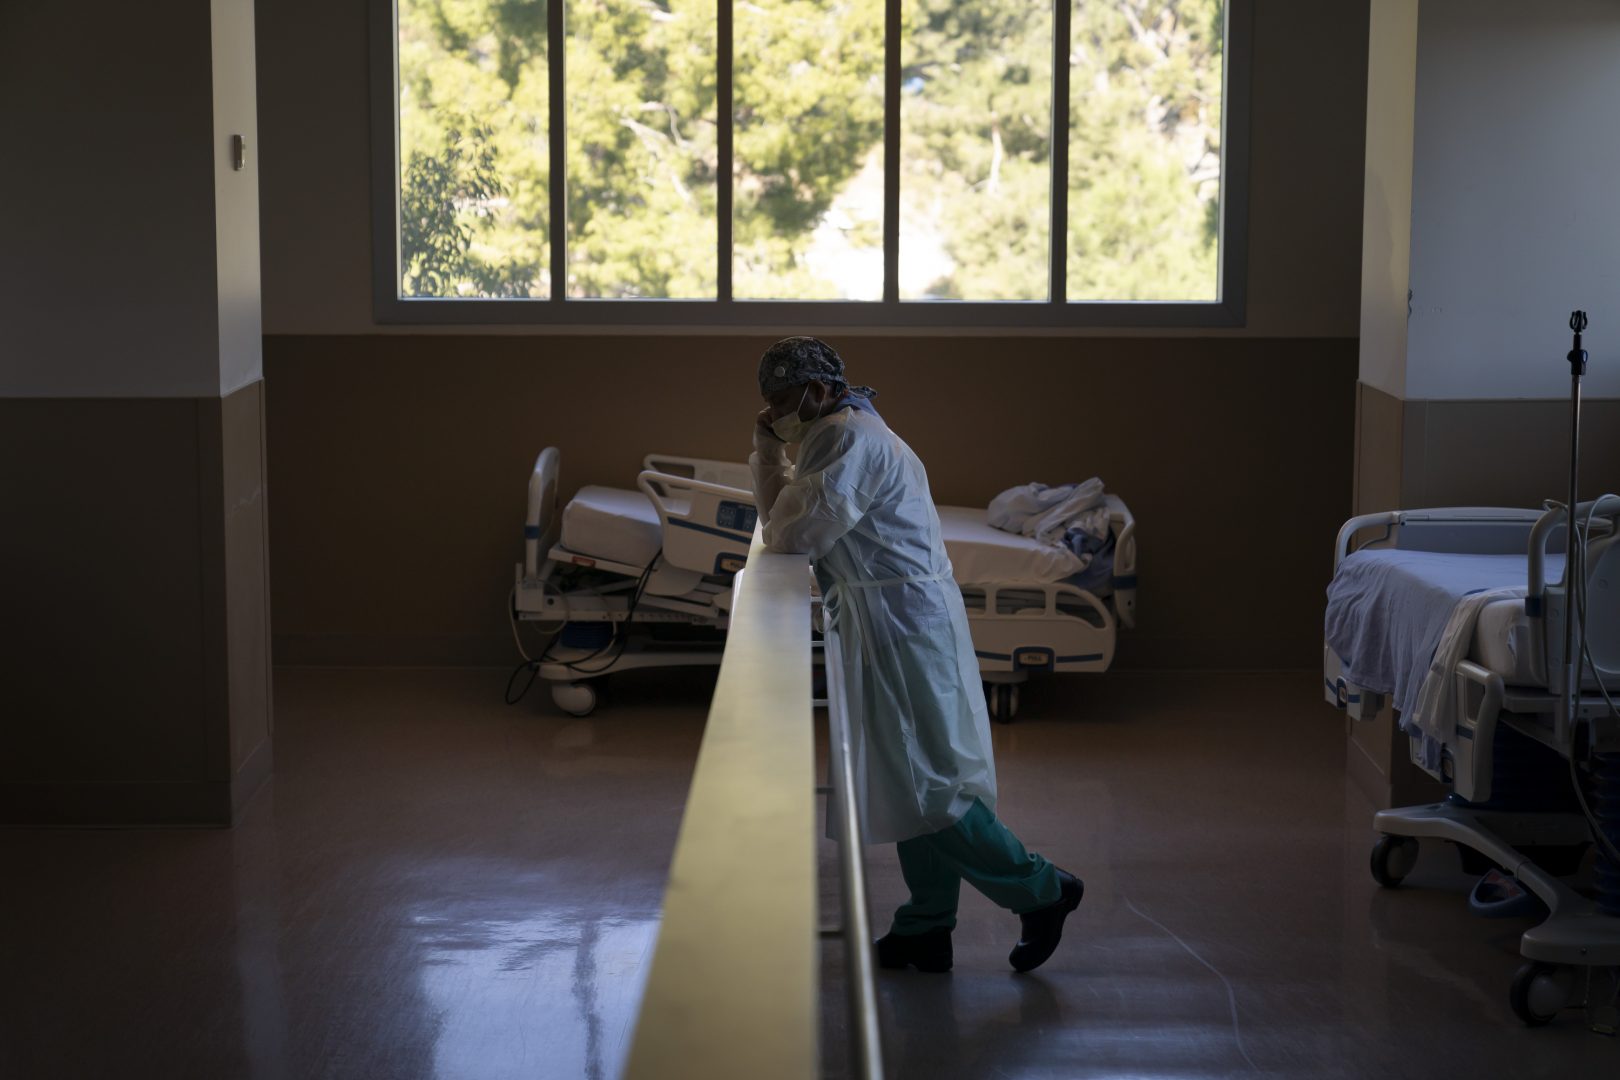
x=1043 y=928
x=927 y=951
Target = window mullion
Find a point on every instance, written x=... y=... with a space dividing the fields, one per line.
x=556 y=51
x=891 y=151
x=725 y=116
x=1061 y=21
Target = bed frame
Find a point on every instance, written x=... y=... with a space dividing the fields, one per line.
x=1496 y=723
x=707 y=515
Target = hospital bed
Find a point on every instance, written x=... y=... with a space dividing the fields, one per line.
x=625 y=579
x=641 y=578
x=1532 y=754
x=1027 y=606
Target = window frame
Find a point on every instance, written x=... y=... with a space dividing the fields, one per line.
x=1056 y=312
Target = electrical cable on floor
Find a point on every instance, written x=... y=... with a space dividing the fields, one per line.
x=529 y=662
x=621 y=630
x=620 y=637
x=1231 y=994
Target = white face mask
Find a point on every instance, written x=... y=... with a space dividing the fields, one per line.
x=790 y=428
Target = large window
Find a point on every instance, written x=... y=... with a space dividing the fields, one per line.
x=836 y=162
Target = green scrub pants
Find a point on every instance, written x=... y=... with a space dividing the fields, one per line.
x=980 y=850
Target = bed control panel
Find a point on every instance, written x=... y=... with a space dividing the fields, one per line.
x=737 y=516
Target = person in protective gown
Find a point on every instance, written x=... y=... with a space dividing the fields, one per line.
x=857 y=502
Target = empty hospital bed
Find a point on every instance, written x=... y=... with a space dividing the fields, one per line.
x=638 y=578
x=1456 y=618
x=625 y=579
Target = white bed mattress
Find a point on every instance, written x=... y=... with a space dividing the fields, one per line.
x=981 y=553
x=622 y=526
x=612 y=524
x=1502 y=642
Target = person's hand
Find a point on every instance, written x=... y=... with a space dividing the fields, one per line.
x=769 y=448
x=762 y=426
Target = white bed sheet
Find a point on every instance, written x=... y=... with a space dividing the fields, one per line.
x=612 y=524
x=982 y=553
x=1387 y=610
x=622 y=526
x=1502 y=642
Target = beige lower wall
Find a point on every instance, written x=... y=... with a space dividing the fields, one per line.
x=241 y=629
x=1380 y=423
x=399 y=466
x=1413 y=454
x=1505 y=453
x=136 y=609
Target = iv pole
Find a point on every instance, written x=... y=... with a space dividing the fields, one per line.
x=1572 y=649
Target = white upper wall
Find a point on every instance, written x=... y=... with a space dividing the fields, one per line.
x=110 y=279
x=1516 y=208
x=1386 y=219
x=236 y=196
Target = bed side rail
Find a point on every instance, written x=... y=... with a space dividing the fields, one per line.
x=706 y=470
x=1023 y=626
x=1546 y=602
x=1479 y=530
x=1123 y=524
x=1602 y=512
x=542 y=524
x=707 y=527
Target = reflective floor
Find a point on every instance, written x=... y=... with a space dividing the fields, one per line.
x=436 y=885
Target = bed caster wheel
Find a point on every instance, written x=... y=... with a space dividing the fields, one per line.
x=1003 y=700
x=575 y=699
x=1393 y=857
x=1538 y=992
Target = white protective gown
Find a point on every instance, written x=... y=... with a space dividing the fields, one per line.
x=858 y=503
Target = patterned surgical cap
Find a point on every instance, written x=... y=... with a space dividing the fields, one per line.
x=794 y=361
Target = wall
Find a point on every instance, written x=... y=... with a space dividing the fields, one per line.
x=134 y=587
x=398 y=455
x=1512 y=224
x=137 y=618
x=1514 y=214
x=1480 y=453
x=128 y=209
x=1386 y=209
x=108 y=261
x=1308 y=78
x=400 y=492
x=236 y=197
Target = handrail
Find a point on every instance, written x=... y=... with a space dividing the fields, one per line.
x=734 y=988
x=856 y=930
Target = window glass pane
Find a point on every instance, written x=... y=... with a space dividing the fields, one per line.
x=808 y=150
x=1145 y=150
x=975 y=124
x=641 y=148
x=474 y=162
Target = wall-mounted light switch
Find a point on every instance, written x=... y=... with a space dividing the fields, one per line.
x=238 y=152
